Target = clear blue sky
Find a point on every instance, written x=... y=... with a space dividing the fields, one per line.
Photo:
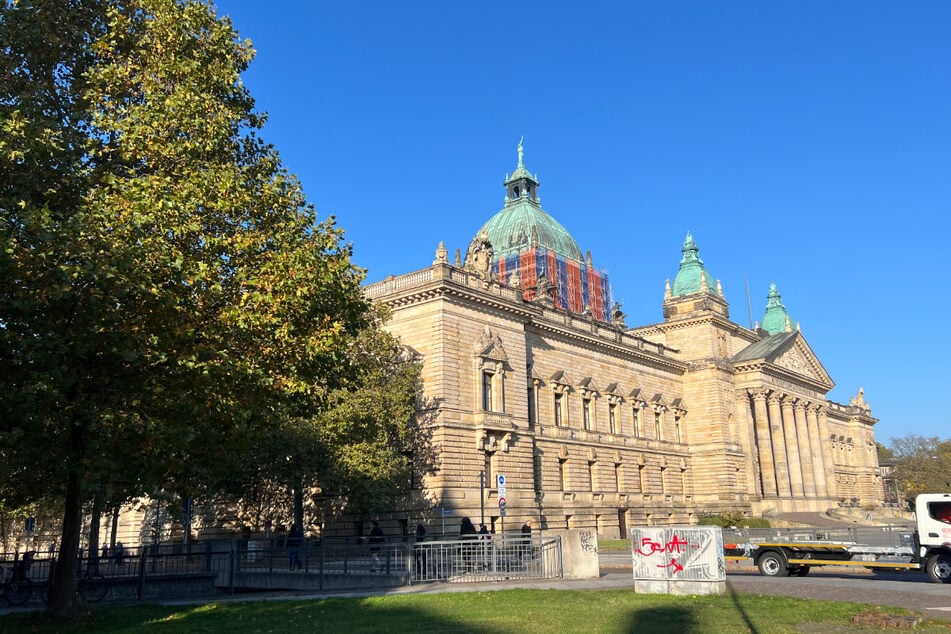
x=806 y=144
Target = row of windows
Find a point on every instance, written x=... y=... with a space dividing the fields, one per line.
x=492 y=401
x=560 y=409
x=617 y=483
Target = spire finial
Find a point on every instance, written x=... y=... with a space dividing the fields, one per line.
x=521 y=152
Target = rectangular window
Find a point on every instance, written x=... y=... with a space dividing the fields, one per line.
x=641 y=484
x=586 y=413
x=663 y=480
x=489 y=470
x=563 y=473
x=637 y=422
x=677 y=430
x=612 y=417
x=532 y=414
x=657 y=426
x=487 y=391
x=618 y=480
x=590 y=475
x=558 y=404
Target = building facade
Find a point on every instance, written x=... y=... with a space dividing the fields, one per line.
x=595 y=424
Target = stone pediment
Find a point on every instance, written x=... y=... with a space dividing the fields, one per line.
x=793 y=359
x=786 y=350
x=798 y=357
x=588 y=385
x=489 y=346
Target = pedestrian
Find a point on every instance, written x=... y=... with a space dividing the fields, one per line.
x=376 y=538
x=527 y=539
x=483 y=532
x=294 y=540
x=420 y=552
x=467 y=531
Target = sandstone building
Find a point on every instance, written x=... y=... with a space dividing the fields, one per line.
x=601 y=425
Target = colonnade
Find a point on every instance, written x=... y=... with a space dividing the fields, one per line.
x=793 y=452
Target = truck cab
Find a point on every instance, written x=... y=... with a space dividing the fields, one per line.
x=933 y=519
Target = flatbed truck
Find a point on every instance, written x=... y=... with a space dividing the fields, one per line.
x=793 y=552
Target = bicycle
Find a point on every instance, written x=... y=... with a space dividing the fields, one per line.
x=17 y=585
x=92 y=585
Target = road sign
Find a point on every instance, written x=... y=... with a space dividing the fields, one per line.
x=500 y=481
x=502 y=503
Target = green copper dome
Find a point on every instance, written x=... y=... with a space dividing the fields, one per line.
x=691 y=271
x=776 y=317
x=523 y=224
x=512 y=229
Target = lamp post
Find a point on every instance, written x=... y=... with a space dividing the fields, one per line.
x=482 y=497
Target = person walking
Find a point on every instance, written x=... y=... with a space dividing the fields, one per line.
x=376 y=538
x=527 y=540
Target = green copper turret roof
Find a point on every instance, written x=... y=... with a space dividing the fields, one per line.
x=776 y=318
x=522 y=224
x=691 y=271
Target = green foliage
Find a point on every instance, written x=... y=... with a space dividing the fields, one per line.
x=733 y=519
x=921 y=465
x=168 y=298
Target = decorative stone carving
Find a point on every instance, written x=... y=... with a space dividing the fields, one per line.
x=480 y=255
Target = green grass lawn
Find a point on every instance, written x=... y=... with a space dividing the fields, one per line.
x=501 y=611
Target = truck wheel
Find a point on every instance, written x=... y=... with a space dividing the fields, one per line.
x=772 y=564
x=939 y=568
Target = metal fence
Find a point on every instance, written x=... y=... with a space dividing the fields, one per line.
x=217 y=566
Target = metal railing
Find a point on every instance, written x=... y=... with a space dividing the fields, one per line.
x=170 y=570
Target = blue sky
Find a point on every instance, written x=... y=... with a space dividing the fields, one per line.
x=806 y=144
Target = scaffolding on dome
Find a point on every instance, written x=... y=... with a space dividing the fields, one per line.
x=577 y=286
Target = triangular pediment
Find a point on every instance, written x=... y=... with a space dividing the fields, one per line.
x=588 y=384
x=560 y=378
x=612 y=390
x=490 y=347
x=789 y=351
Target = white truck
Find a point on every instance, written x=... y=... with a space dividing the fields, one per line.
x=792 y=552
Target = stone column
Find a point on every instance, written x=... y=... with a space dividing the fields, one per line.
x=779 y=446
x=805 y=453
x=792 y=447
x=746 y=433
x=763 y=443
x=816 y=442
x=823 y=424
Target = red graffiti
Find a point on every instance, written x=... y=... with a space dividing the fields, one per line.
x=673 y=564
x=675 y=545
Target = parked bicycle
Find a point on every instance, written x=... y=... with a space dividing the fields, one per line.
x=92 y=585
x=16 y=583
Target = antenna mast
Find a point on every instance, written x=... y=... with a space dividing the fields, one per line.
x=749 y=307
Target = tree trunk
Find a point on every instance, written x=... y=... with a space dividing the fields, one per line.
x=94 y=523
x=64 y=600
x=115 y=526
x=299 y=505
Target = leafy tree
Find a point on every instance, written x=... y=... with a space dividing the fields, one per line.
x=167 y=295
x=921 y=465
x=364 y=451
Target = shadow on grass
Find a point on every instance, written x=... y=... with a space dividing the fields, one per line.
x=664 y=619
x=734 y=597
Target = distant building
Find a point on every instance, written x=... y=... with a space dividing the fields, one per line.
x=597 y=424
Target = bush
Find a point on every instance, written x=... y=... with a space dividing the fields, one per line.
x=733 y=519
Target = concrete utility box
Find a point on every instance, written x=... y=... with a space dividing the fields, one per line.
x=678 y=560
x=579 y=551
